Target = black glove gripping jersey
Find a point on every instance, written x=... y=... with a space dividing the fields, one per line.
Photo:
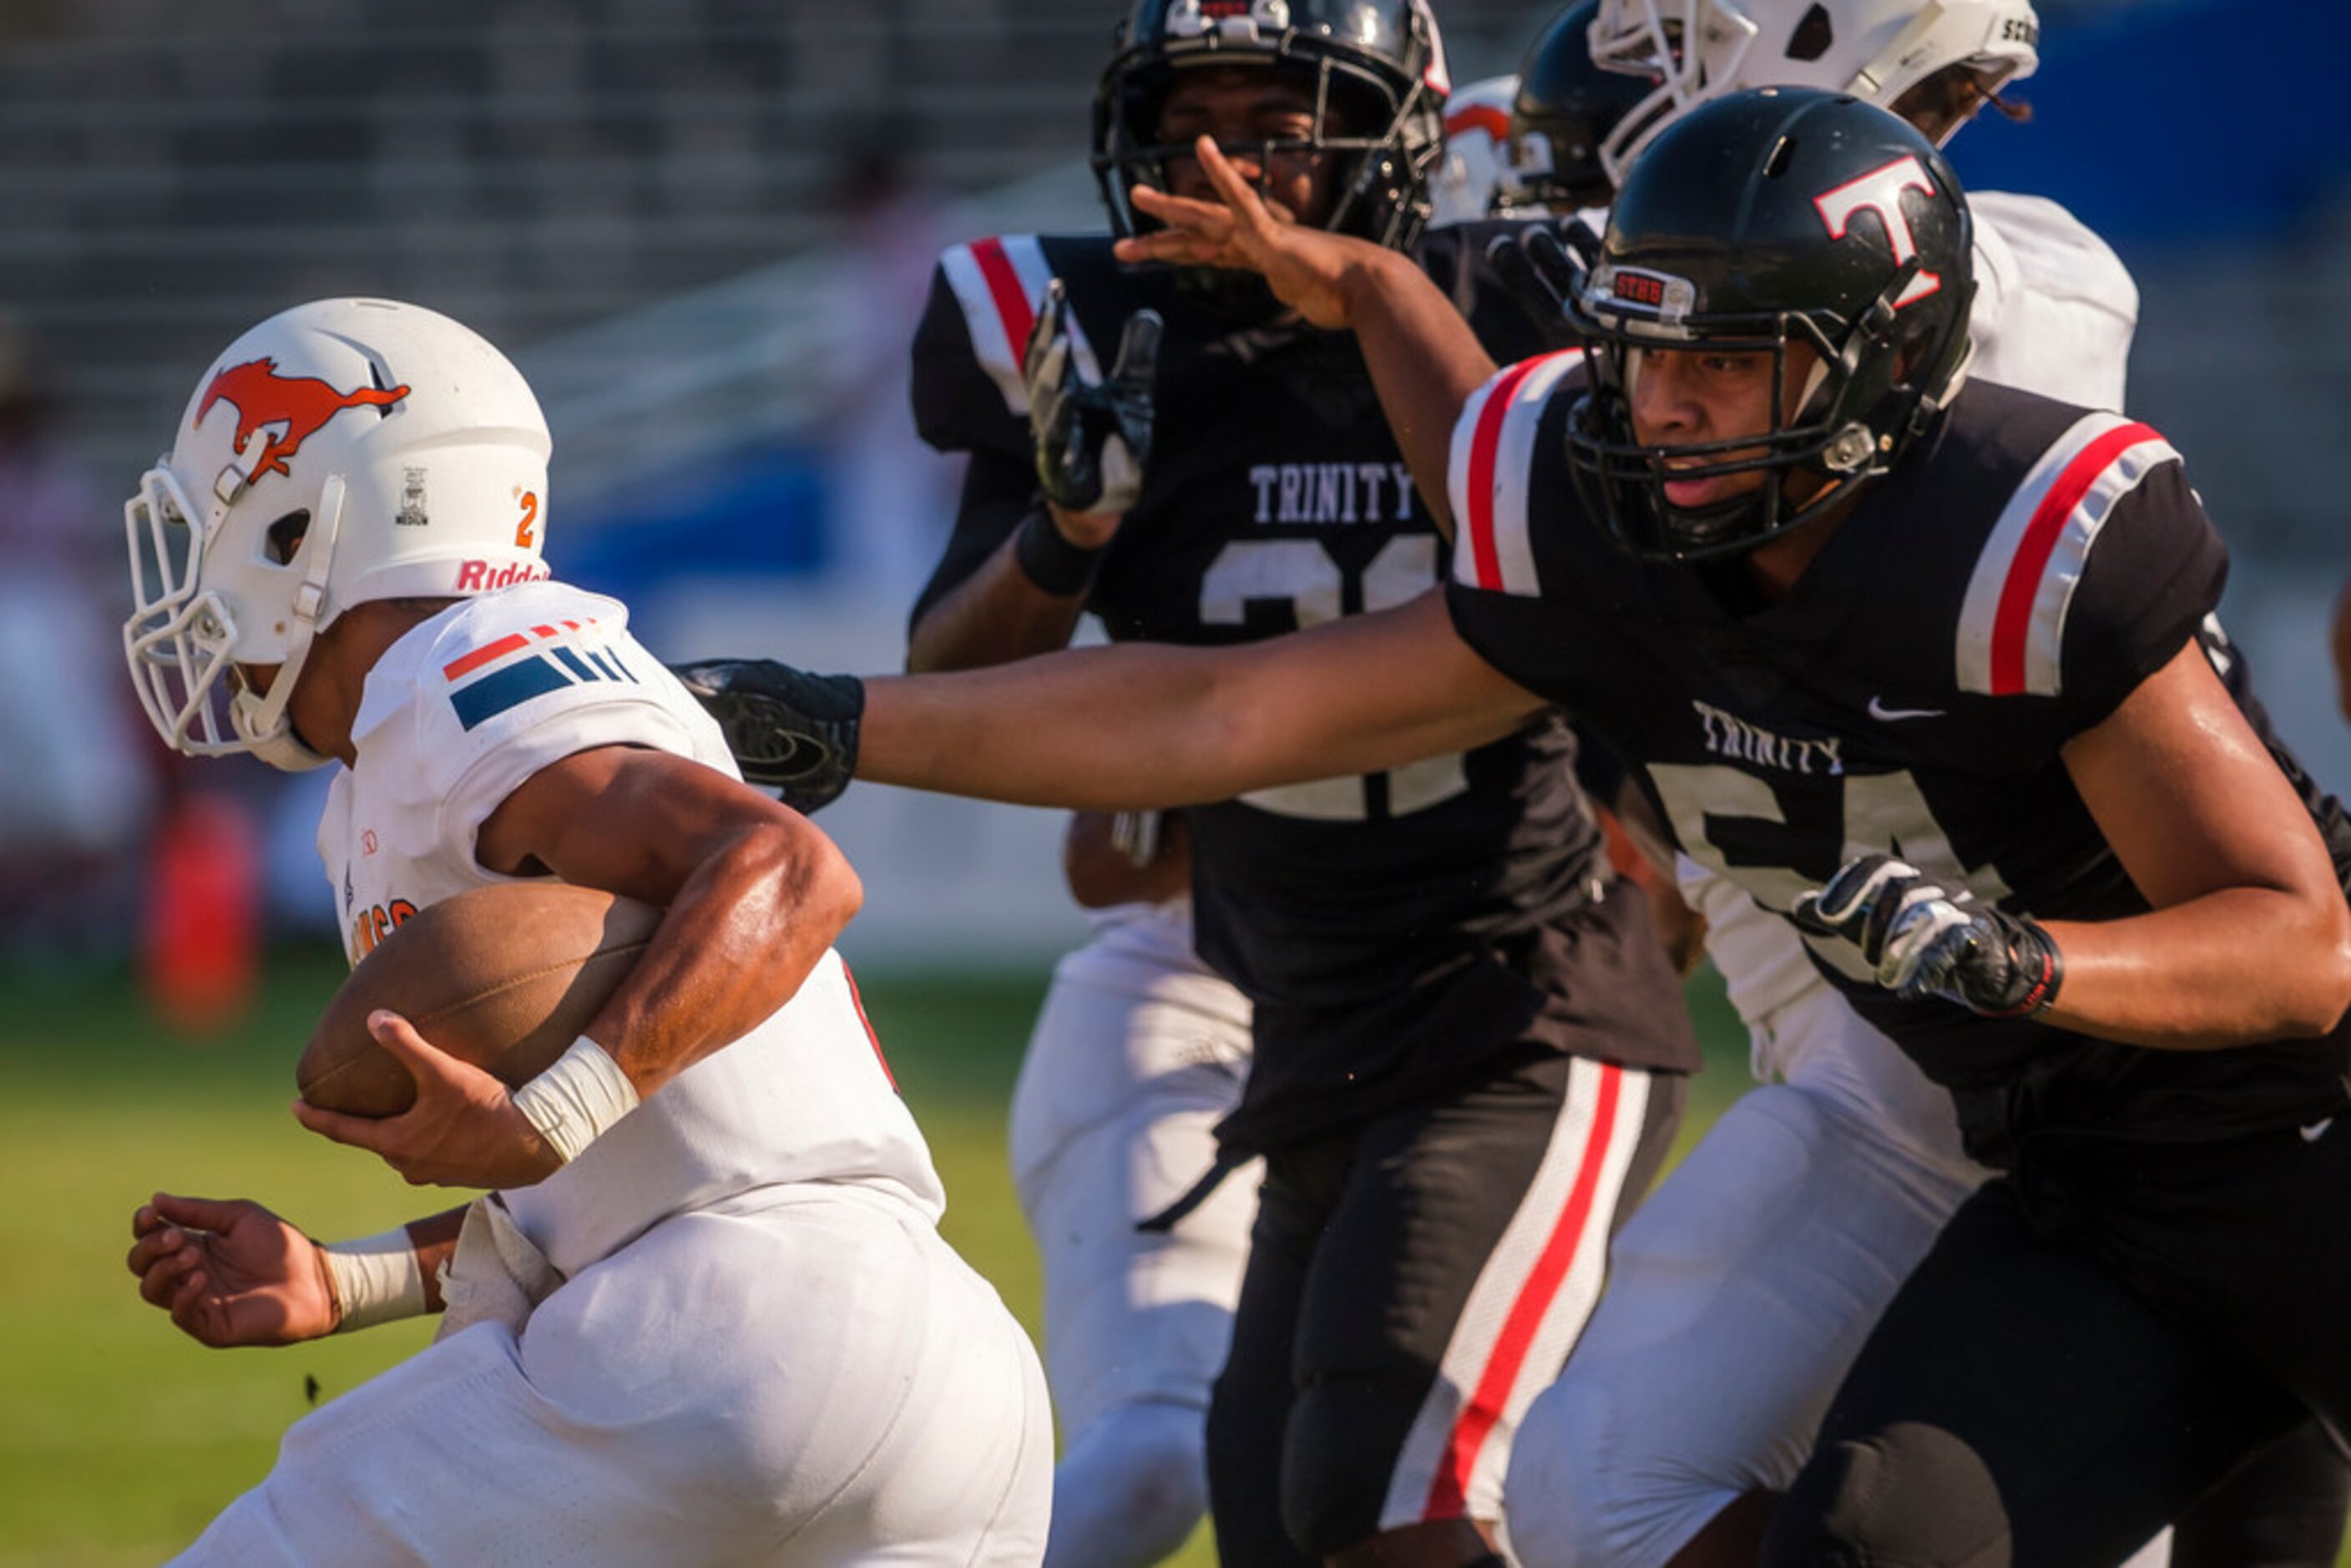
x=2000 y=592
x=1394 y=929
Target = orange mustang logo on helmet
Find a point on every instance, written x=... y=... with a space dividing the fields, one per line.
x=300 y=403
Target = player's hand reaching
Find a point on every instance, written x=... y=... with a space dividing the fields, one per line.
x=1543 y=266
x=790 y=731
x=1092 y=439
x=1307 y=269
x=464 y=1129
x=230 y=1273
x=1924 y=939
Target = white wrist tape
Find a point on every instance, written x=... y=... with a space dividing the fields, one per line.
x=375 y=1280
x=577 y=1099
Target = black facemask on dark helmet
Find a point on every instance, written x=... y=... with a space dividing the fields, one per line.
x=1379 y=63
x=1767 y=218
x=1572 y=105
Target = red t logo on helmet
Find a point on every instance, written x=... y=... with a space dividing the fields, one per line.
x=1880 y=192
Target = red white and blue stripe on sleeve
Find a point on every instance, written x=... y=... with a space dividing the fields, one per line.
x=509 y=671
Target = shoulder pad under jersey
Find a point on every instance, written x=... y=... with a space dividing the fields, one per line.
x=2055 y=309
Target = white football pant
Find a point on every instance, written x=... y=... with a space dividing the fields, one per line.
x=1137 y=1054
x=1738 y=1296
x=818 y=1380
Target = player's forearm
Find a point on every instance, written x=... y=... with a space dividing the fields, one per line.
x=1142 y=726
x=2233 y=968
x=1107 y=729
x=746 y=930
x=994 y=616
x=1424 y=361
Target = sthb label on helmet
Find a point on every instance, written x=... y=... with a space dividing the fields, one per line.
x=1244 y=20
x=1660 y=295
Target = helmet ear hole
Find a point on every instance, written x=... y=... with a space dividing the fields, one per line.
x=284 y=536
x=1814 y=37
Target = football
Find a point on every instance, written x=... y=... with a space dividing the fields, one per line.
x=505 y=977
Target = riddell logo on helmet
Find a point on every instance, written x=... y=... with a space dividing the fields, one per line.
x=301 y=405
x=480 y=576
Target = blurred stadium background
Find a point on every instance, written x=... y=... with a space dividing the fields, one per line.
x=704 y=227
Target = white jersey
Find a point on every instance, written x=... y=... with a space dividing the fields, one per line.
x=2054 y=314
x=458 y=714
x=1476 y=167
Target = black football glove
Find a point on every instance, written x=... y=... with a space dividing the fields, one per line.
x=1092 y=439
x=789 y=731
x=1543 y=267
x=1924 y=940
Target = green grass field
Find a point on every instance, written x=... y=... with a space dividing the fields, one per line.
x=120 y=1439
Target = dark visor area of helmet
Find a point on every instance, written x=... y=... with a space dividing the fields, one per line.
x=1354 y=128
x=1623 y=480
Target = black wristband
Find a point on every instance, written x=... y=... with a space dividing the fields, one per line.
x=1050 y=560
x=2038 y=969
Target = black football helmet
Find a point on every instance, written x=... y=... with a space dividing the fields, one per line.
x=1381 y=60
x=1572 y=105
x=1769 y=218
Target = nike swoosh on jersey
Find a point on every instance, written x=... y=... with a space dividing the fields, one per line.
x=1878 y=710
x=2316 y=1130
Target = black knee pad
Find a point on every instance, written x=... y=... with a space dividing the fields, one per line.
x=1337 y=1459
x=1909 y=1497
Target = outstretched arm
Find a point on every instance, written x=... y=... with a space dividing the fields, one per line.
x=1424 y=358
x=1146 y=725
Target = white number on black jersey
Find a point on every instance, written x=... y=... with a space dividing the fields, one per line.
x=1302 y=574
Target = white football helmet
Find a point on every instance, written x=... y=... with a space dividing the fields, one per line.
x=340 y=452
x=1479 y=175
x=1875 y=49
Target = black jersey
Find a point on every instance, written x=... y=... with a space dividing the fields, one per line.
x=1276 y=499
x=2002 y=592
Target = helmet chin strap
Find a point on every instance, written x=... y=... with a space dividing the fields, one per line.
x=266 y=724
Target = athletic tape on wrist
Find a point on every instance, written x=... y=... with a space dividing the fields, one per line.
x=374 y=1279
x=1050 y=560
x=575 y=1102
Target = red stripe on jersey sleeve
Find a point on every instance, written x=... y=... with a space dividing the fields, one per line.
x=1483 y=447
x=1012 y=306
x=2012 y=624
x=481 y=655
x=1448 y=1493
